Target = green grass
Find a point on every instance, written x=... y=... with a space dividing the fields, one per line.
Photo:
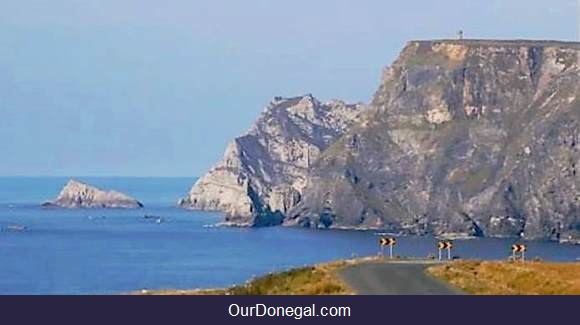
x=301 y=281
x=310 y=280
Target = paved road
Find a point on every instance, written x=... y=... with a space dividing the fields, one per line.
x=395 y=278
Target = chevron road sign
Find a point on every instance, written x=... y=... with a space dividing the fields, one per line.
x=519 y=249
x=387 y=241
x=448 y=245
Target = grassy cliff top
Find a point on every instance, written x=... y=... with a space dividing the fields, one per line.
x=505 y=43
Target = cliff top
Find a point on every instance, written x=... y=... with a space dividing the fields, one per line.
x=497 y=42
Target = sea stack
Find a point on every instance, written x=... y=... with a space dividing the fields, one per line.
x=76 y=195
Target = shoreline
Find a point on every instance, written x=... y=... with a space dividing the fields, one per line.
x=459 y=236
x=383 y=232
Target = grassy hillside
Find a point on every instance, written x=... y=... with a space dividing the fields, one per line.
x=511 y=278
x=472 y=277
x=312 y=280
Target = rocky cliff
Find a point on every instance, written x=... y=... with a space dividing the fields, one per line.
x=264 y=171
x=79 y=195
x=471 y=137
x=462 y=137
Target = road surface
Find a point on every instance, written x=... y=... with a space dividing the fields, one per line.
x=394 y=278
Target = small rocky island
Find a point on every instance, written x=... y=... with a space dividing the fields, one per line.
x=76 y=195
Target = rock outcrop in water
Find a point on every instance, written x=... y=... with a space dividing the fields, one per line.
x=79 y=195
x=264 y=171
x=462 y=137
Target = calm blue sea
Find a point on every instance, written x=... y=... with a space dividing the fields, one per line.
x=116 y=251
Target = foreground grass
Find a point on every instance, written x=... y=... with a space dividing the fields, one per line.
x=511 y=278
x=312 y=280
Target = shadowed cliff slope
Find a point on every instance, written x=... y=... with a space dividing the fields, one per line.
x=470 y=137
x=264 y=171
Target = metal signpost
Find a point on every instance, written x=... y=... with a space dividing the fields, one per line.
x=387 y=241
x=521 y=249
x=445 y=245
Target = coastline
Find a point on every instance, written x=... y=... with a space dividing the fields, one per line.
x=384 y=232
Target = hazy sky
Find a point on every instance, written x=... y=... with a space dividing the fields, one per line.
x=142 y=87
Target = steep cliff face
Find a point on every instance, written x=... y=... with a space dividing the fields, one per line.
x=79 y=195
x=470 y=137
x=263 y=172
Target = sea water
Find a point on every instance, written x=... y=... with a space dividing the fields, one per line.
x=102 y=251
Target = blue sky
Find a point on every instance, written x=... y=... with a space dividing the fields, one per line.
x=141 y=87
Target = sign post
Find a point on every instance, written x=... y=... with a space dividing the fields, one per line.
x=382 y=243
x=445 y=245
x=387 y=241
x=449 y=246
x=521 y=249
